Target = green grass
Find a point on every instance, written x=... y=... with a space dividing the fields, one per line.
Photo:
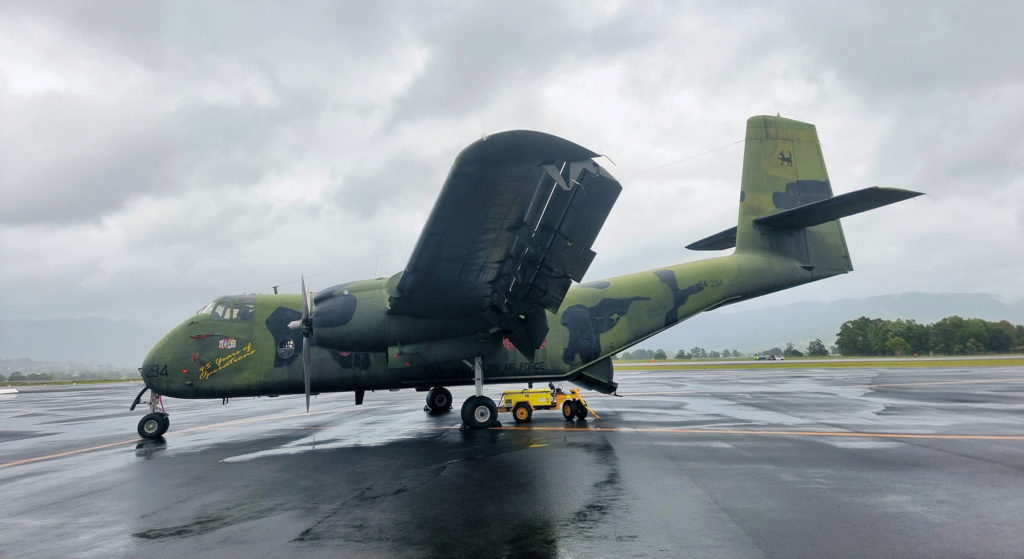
x=836 y=363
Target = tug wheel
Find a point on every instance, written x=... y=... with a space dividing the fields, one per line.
x=522 y=413
x=568 y=410
x=581 y=410
x=154 y=425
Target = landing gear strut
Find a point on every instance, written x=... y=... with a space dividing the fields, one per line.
x=154 y=424
x=479 y=411
x=439 y=400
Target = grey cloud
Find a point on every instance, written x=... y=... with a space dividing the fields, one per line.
x=84 y=160
x=161 y=184
x=403 y=179
x=170 y=35
x=886 y=50
x=86 y=156
x=490 y=50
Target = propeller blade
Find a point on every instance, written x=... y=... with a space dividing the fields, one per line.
x=305 y=367
x=307 y=325
x=305 y=299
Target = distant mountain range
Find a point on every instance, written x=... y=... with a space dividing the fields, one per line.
x=799 y=323
x=84 y=341
x=89 y=342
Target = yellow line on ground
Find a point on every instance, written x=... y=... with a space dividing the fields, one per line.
x=65 y=453
x=771 y=433
x=668 y=393
x=197 y=428
x=973 y=381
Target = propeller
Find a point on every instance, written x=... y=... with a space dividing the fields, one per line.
x=306 y=324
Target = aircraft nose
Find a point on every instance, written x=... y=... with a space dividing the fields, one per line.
x=155 y=367
x=165 y=364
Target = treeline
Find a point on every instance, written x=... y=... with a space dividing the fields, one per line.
x=694 y=353
x=19 y=376
x=952 y=335
x=814 y=349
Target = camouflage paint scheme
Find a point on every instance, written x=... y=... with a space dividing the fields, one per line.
x=253 y=352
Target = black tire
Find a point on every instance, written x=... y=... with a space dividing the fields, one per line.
x=522 y=412
x=479 y=412
x=568 y=410
x=439 y=400
x=153 y=425
x=581 y=410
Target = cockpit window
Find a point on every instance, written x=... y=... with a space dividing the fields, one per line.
x=241 y=307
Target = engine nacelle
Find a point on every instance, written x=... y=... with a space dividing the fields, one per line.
x=351 y=317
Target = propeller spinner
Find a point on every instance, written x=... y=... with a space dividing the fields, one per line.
x=306 y=324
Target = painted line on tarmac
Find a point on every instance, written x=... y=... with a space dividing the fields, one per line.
x=972 y=381
x=769 y=433
x=882 y=385
x=231 y=423
x=66 y=453
x=626 y=395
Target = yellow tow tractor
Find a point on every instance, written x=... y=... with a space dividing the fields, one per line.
x=522 y=403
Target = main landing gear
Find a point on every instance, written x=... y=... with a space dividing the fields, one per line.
x=154 y=424
x=479 y=411
x=439 y=400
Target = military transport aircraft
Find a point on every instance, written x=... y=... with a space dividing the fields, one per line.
x=486 y=296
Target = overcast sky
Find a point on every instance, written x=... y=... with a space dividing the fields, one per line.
x=155 y=155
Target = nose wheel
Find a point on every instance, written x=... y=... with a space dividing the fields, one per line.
x=154 y=425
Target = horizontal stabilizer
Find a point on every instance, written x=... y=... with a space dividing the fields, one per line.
x=836 y=207
x=814 y=213
x=719 y=241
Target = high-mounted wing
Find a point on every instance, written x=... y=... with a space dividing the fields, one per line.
x=512 y=228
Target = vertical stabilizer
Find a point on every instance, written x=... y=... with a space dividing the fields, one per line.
x=782 y=169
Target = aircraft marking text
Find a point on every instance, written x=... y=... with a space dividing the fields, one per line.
x=209 y=369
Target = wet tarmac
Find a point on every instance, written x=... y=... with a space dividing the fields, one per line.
x=747 y=463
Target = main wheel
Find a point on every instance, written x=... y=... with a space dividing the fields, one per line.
x=581 y=410
x=479 y=412
x=439 y=400
x=568 y=410
x=522 y=412
x=154 y=425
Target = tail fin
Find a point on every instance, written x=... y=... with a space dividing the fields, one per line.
x=783 y=169
x=786 y=202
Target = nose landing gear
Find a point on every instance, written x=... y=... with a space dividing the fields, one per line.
x=154 y=424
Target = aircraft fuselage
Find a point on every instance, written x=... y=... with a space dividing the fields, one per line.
x=242 y=345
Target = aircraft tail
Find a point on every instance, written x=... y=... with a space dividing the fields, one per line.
x=786 y=204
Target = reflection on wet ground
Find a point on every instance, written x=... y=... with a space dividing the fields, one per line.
x=821 y=463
